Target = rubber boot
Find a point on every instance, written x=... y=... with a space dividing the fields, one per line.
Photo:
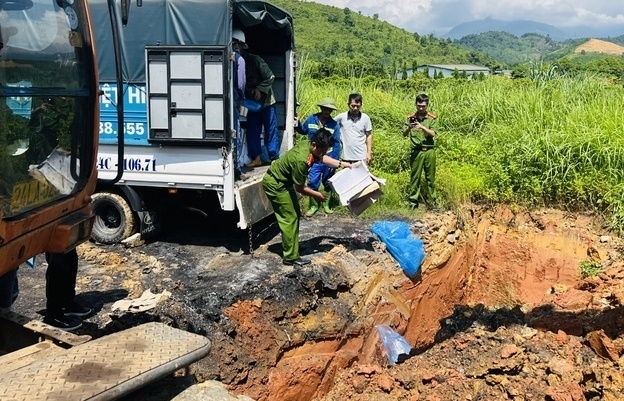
x=327 y=207
x=314 y=207
x=332 y=201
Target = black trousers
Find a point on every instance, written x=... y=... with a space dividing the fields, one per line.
x=60 y=280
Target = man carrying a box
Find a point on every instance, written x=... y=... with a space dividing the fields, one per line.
x=287 y=176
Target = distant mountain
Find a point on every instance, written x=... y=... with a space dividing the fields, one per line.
x=521 y=27
x=516 y=27
x=339 y=41
x=510 y=49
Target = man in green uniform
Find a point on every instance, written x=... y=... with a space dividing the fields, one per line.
x=287 y=175
x=421 y=130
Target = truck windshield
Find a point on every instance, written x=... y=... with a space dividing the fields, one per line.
x=46 y=92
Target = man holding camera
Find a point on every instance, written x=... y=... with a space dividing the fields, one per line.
x=421 y=130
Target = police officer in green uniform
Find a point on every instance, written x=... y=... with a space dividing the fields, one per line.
x=287 y=175
x=421 y=129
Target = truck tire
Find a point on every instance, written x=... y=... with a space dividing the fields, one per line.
x=114 y=220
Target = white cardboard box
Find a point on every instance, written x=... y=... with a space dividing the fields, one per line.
x=366 y=198
x=356 y=187
x=349 y=182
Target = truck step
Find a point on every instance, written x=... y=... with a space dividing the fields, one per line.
x=105 y=368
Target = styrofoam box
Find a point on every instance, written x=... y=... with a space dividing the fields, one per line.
x=351 y=181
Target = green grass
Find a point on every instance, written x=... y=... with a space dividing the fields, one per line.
x=551 y=141
x=589 y=268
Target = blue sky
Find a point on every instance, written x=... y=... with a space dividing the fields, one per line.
x=440 y=16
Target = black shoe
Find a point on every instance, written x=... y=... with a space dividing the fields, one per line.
x=75 y=309
x=297 y=262
x=67 y=323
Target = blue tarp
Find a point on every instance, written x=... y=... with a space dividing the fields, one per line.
x=407 y=250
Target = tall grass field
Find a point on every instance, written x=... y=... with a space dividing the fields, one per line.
x=556 y=142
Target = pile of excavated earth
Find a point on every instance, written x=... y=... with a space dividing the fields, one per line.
x=500 y=309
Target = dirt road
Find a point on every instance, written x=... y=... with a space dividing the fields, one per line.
x=497 y=288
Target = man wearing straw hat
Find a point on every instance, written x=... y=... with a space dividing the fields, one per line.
x=319 y=172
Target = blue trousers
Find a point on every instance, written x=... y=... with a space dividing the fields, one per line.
x=266 y=118
x=319 y=173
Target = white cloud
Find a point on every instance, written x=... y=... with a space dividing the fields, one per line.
x=438 y=16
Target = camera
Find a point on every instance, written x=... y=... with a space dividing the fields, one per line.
x=412 y=119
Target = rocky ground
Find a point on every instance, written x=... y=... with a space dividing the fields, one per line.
x=499 y=310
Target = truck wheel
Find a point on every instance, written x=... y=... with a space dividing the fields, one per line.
x=114 y=220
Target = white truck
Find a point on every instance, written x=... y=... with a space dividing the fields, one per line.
x=179 y=137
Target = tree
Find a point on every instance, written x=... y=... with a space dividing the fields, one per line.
x=521 y=71
x=348 y=21
x=348 y=18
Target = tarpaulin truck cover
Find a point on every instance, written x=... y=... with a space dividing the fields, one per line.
x=187 y=22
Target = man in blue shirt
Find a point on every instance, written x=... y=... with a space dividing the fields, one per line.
x=319 y=172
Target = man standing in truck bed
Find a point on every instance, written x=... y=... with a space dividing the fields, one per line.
x=260 y=88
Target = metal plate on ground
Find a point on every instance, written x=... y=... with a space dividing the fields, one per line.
x=106 y=368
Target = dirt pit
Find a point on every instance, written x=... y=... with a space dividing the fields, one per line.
x=499 y=310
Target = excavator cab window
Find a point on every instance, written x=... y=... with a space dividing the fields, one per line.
x=46 y=97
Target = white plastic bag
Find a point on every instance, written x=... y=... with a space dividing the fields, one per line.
x=394 y=344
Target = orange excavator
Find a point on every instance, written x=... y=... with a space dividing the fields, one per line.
x=49 y=125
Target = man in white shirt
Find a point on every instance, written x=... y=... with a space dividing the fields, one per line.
x=356 y=132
